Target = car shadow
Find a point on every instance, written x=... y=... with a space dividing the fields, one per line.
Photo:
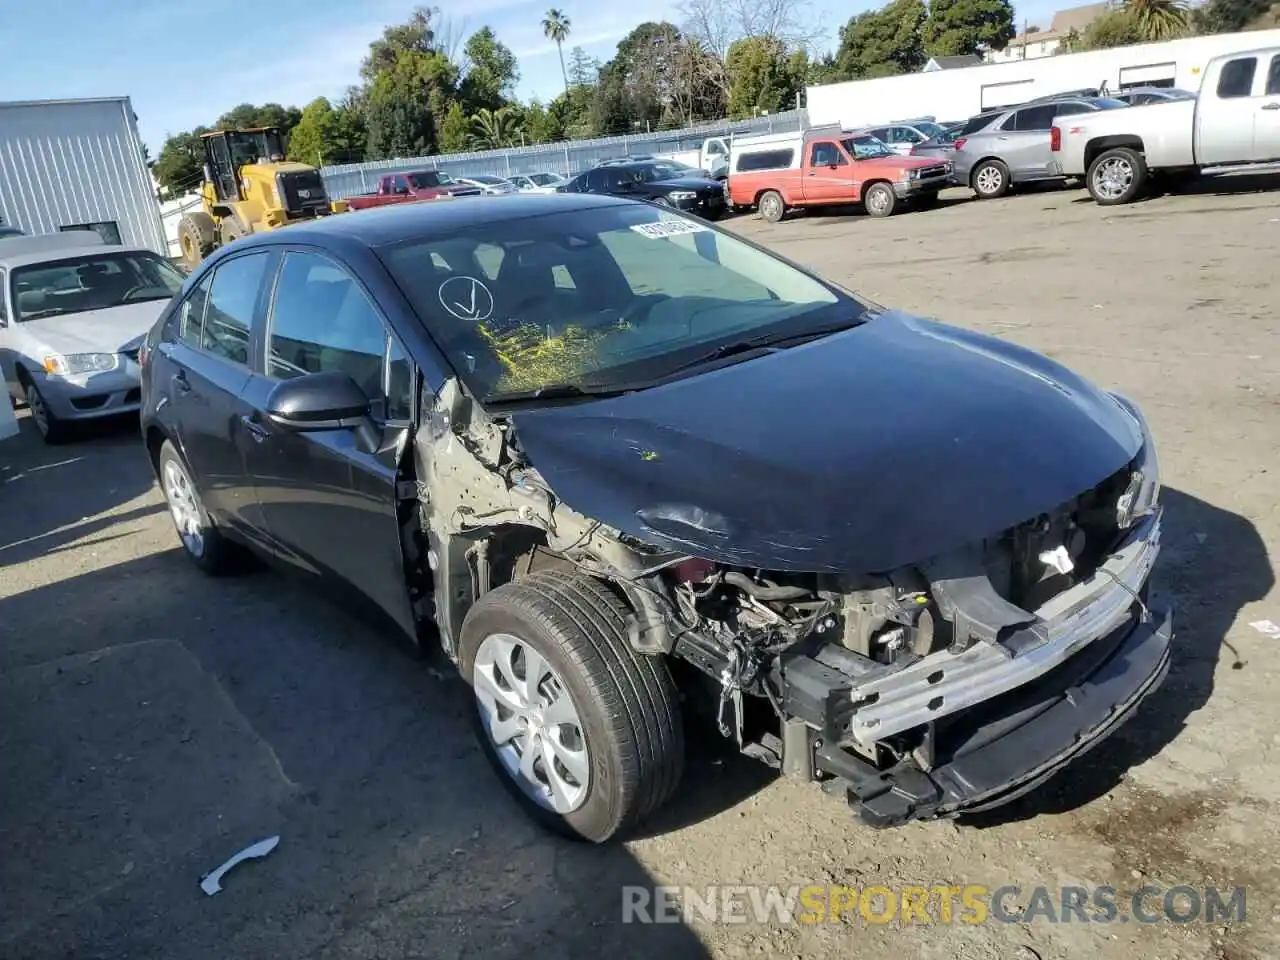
x=158 y=720
x=1230 y=185
x=54 y=495
x=1213 y=562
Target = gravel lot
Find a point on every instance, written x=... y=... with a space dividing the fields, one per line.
x=152 y=722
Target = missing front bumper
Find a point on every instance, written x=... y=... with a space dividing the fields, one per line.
x=997 y=752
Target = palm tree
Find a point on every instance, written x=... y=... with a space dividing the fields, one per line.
x=1158 y=19
x=494 y=129
x=555 y=25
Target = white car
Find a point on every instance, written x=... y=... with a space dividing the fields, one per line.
x=901 y=137
x=489 y=186
x=71 y=321
x=537 y=182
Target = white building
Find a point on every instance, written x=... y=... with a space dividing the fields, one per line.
x=1035 y=43
x=77 y=164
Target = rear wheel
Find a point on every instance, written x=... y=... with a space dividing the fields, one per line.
x=583 y=731
x=1117 y=176
x=990 y=180
x=880 y=200
x=201 y=540
x=771 y=206
x=231 y=231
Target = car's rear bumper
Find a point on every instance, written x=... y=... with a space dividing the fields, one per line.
x=1000 y=750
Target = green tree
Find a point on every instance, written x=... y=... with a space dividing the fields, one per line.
x=956 y=27
x=404 y=102
x=555 y=26
x=268 y=115
x=494 y=129
x=416 y=35
x=348 y=136
x=311 y=140
x=583 y=69
x=492 y=72
x=180 y=166
x=1118 y=28
x=884 y=42
x=543 y=124
x=762 y=76
x=455 y=130
x=1159 y=20
x=1229 y=16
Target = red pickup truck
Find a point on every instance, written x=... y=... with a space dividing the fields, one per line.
x=411 y=186
x=828 y=166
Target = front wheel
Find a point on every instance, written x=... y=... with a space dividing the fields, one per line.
x=52 y=430
x=880 y=200
x=1117 y=176
x=202 y=542
x=583 y=731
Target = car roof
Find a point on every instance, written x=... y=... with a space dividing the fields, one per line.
x=64 y=253
x=380 y=226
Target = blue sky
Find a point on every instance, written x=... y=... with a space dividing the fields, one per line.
x=151 y=51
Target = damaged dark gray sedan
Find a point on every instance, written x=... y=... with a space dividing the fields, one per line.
x=620 y=465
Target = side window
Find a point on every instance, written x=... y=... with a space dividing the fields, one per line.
x=905 y=135
x=190 y=319
x=322 y=321
x=1032 y=118
x=399 y=184
x=233 y=297
x=1071 y=109
x=826 y=154
x=596 y=180
x=1273 y=77
x=1236 y=79
x=4 y=285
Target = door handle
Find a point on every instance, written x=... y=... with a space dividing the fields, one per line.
x=256 y=429
x=1271 y=106
x=181 y=383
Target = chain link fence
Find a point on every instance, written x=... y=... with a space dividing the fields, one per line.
x=566 y=158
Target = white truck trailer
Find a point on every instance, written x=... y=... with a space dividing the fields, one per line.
x=959 y=94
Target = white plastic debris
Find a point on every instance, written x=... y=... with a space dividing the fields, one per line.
x=210 y=883
x=1058 y=559
x=1268 y=628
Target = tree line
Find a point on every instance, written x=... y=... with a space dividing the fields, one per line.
x=424 y=89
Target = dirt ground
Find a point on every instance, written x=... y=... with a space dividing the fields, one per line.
x=153 y=722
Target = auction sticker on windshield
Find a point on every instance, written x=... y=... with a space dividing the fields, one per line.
x=668 y=228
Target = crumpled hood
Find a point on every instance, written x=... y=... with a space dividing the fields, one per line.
x=880 y=446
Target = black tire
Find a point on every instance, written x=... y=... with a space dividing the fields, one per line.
x=197 y=238
x=1116 y=176
x=216 y=555
x=626 y=701
x=990 y=180
x=771 y=206
x=52 y=430
x=880 y=201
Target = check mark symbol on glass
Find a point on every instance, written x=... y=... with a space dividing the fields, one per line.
x=469 y=309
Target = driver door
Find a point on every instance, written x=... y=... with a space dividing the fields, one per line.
x=328 y=500
x=829 y=174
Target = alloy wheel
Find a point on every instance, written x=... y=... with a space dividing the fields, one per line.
x=532 y=722
x=39 y=412
x=990 y=179
x=877 y=201
x=1113 y=177
x=184 y=507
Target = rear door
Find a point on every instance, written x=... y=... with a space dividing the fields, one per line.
x=202 y=365
x=1023 y=141
x=1228 y=112
x=828 y=174
x=1266 y=121
x=328 y=499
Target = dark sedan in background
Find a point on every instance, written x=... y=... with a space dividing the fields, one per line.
x=657 y=181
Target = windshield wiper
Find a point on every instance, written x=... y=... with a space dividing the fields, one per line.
x=555 y=391
x=41 y=314
x=771 y=342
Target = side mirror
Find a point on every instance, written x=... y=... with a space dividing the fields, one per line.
x=318 y=401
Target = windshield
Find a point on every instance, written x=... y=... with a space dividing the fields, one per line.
x=671 y=168
x=865 y=147
x=92 y=283
x=488 y=179
x=544 y=179
x=1107 y=103
x=423 y=181
x=929 y=128
x=600 y=298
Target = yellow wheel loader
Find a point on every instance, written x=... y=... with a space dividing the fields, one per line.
x=249 y=187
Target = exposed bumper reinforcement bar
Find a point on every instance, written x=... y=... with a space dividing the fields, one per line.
x=945 y=683
x=998 y=752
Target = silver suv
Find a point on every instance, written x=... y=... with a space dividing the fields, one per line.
x=1013 y=147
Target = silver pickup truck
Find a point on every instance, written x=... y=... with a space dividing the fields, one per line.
x=1232 y=126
